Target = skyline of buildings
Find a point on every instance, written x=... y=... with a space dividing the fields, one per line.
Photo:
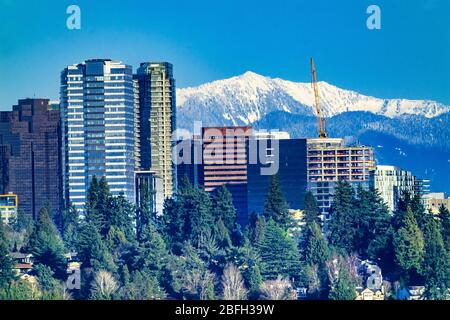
x=118 y=124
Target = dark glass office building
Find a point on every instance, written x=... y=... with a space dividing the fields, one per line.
x=30 y=155
x=291 y=157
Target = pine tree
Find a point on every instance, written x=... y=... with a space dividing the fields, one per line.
x=224 y=208
x=344 y=288
x=91 y=249
x=315 y=250
x=98 y=198
x=340 y=227
x=198 y=210
x=222 y=235
x=153 y=253
x=47 y=282
x=413 y=203
x=120 y=214
x=435 y=268
x=142 y=287
x=371 y=223
x=276 y=206
x=311 y=210
x=260 y=229
x=144 y=214
x=279 y=254
x=444 y=217
x=174 y=224
x=47 y=246
x=409 y=246
x=69 y=226
x=248 y=260
x=6 y=263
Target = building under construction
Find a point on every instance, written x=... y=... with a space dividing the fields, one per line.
x=329 y=161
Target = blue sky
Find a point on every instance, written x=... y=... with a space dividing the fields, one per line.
x=208 y=40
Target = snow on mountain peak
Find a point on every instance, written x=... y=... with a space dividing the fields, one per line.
x=247 y=98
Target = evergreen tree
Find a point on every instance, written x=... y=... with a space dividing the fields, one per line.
x=275 y=206
x=69 y=226
x=311 y=212
x=409 y=246
x=435 y=268
x=444 y=217
x=198 y=210
x=120 y=214
x=222 y=234
x=371 y=223
x=98 y=198
x=47 y=282
x=23 y=222
x=174 y=221
x=92 y=251
x=419 y=211
x=224 y=208
x=144 y=214
x=340 y=227
x=47 y=246
x=153 y=253
x=256 y=228
x=344 y=288
x=6 y=263
x=413 y=203
x=210 y=252
x=142 y=287
x=315 y=250
x=247 y=259
x=279 y=254
x=125 y=276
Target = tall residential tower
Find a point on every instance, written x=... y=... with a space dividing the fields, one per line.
x=157 y=120
x=98 y=123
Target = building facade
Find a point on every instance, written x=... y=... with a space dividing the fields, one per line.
x=9 y=203
x=156 y=98
x=288 y=158
x=30 y=155
x=149 y=192
x=391 y=182
x=189 y=165
x=434 y=201
x=328 y=161
x=98 y=117
x=224 y=163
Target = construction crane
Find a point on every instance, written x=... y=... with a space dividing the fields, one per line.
x=320 y=119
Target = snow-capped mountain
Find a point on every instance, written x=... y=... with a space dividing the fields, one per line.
x=248 y=98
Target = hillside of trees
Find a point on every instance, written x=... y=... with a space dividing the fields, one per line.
x=196 y=250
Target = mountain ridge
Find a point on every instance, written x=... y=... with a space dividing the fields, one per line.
x=247 y=98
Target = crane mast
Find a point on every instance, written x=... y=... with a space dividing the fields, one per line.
x=320 y=119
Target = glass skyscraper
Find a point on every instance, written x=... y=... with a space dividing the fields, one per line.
x=30 y=158
x=98 y=128
x=292 y=172
x=157 y=121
